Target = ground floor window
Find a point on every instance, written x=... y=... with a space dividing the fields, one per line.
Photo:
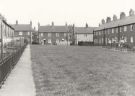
x=20 y=33
x=57 y=40
x=131 y=39
x=49 y=41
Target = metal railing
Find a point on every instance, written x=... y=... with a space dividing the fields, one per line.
x=8 y=63
x=122 y=47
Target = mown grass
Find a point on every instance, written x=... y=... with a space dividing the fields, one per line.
x=82 y=71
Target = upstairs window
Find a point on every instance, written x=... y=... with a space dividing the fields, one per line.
x=125 y=28
x=28 y=33
x=96 y=33
x=20 y=33
x=41 y=34
x=131 y=28
x=57 y=34
x=120 y=29
x=65 y=34
x=116 y=30
x=49 y=34
x=112 y=30
x=108 y=31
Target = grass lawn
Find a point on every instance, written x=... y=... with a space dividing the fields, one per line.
x=82 y=71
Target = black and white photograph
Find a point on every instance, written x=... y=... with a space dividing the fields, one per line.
x=67 y=47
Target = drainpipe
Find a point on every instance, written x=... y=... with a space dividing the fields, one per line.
x=104 y=37
x=1 y=41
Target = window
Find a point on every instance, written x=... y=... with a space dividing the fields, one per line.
x=107 y=31
x=85 y=35
x=28 y=33
x=116 y=38
x=120 y=29
x=131 y=27
x=57 y=34
x=65 y=34
x=57 y=40
x=41 y=34
x=97 y=33
x=100 y=33
x=112 y=30
x=20 y=33
x=125 y=39
x=49 y=41
x=49 y=34
x=131 y=39
x=102 y=40
x=125 y=28
x=116 y=30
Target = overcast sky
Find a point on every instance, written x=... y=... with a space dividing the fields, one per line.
x=60 y=11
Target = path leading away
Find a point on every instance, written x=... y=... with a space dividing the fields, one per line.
x=20 y=81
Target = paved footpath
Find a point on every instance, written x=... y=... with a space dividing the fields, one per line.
x=20 y=82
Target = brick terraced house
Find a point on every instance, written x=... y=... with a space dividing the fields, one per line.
x=24 y=31
x=117 y=30
x=54 y=35
x=6 y=35
x=84 y=35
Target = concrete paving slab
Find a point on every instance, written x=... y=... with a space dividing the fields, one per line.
x=20 y=81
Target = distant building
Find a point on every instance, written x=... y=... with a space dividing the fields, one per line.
x=24 y=30
x=84 y=35
x=35 y=37
x=54 y=35
x=6 y=35
x=117 y=30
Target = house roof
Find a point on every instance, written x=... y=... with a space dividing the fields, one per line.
x=7 y=24
x=82 y=30
x=22 y=27
x=119 y=22
x=53 y=29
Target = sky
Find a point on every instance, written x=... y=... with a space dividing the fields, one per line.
x=76 y=12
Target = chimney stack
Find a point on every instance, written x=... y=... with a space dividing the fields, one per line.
x=52 y=23
x=131 y=12
x=31 y=23
x=114 y=18
x=66 y=24
x=38 y=25
x=108 y=19
x=103 y=21
x=122 y=15
x=86 y=25
x=16 y=22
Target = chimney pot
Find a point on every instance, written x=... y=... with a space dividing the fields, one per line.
x=16 y=22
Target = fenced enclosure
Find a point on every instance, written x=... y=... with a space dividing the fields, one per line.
x=9 y=60
x=120 y=46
